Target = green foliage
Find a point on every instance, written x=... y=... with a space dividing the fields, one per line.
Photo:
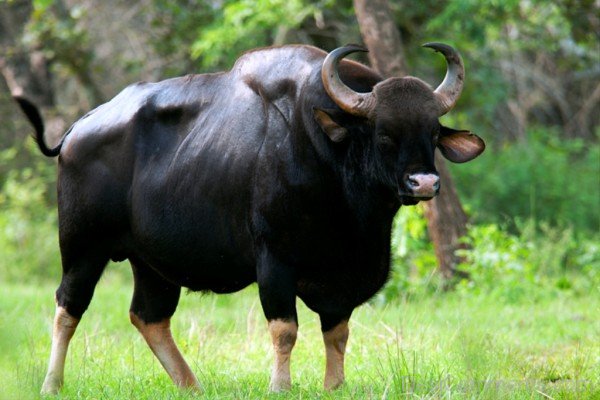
x=545 y=22
x=527 y=62
x=62 y=37
x=215 y=35
x=545 y=179
x=176 y=29
x=539 y=261
x=28 y=222
x=246 y=24
x=413 y=258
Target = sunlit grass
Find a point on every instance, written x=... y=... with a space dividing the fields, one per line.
x=445 y=346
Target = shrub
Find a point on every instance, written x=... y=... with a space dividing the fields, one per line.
x=543 y=179
x=413 y=258
x=538 y=260
x=28 y=223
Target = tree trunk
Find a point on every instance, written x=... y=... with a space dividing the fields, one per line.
x=446 y=222
x=381 y=36
x=25 y=70
x=446 y=219
x=78 y=57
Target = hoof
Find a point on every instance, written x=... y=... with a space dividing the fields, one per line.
x=330 y=385
x=195 y=388
x=51 y=387
x=282 y=386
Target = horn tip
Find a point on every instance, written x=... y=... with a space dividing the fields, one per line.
x=356 y=47
x=441 y=48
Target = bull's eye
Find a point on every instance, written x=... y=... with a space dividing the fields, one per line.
x=436 y=136
x=386 y=141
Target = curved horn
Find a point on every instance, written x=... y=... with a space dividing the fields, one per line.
x=449 y=90
x=355 y=103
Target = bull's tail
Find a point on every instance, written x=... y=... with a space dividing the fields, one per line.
x=32 y=113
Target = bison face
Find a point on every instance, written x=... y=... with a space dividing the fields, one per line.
x=404 y=113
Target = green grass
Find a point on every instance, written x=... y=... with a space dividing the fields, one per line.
x=444 y=346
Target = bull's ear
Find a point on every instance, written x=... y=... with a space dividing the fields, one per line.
x=459 y=146
x=335 y=132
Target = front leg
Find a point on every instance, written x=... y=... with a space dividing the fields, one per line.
x=277 y=290
x=283 y=336
x=335 y=336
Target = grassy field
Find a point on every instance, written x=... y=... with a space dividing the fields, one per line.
x=444 y=346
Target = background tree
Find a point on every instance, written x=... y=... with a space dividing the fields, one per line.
x=24 y=68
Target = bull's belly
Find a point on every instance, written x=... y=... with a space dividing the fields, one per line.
x=198 y=257
x=219 y=273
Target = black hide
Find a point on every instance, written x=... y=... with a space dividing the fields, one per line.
x=212 y=182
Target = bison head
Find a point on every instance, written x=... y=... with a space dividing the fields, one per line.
x=402 y=116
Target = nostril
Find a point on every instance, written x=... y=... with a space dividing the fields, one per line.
x=423 y=185
x=413 y=183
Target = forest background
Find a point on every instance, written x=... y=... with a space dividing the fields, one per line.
x=532 y=92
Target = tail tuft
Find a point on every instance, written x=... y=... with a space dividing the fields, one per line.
x=33 y=114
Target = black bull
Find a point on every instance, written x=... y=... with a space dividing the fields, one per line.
x=277 y=172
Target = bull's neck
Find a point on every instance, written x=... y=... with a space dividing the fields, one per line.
x=373 y=205
x=371 y=201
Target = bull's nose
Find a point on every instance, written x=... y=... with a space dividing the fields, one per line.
x=423 y=185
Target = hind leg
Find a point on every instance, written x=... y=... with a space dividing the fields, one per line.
x=81 y=272
x=154 y=302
